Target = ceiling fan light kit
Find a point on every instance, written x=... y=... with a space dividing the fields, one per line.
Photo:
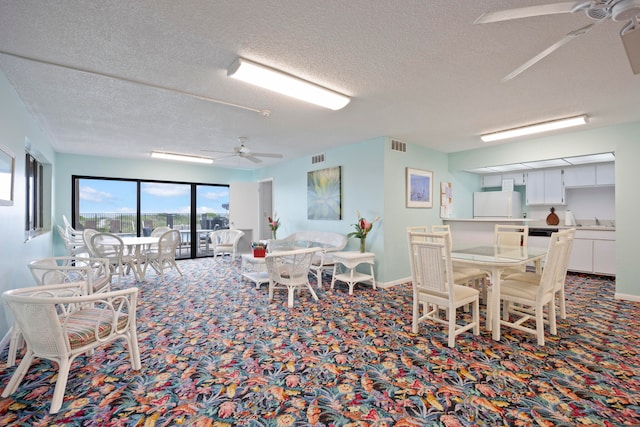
x=180 y=157
x=286 y=84
x=535 y=128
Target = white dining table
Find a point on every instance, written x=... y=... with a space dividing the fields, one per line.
x=495 y=259
x=137 y=243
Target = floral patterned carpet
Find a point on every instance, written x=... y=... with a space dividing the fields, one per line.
x=216 y=353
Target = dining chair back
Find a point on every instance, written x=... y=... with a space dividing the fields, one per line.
x=434 y=287
x=111 y=247
x=87 y=234
x=464 y=275
x=59 y=322
x=525 y=300
x=290 y=270
x=510 y=235
x=164 y=255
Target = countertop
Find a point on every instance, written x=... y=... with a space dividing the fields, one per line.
x=533 y=223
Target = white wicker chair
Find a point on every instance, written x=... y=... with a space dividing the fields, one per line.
x=111 y=247
x=59 y=323
x=290 y=270
x=164 y=256
x=434 y=288
x=225 y=242
x=93 y=273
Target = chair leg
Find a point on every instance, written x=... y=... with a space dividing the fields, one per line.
x=476 y=317
x=452 y=326
x=15 y=343
x=553 y=329
x=290 y=294
x=19 y=374
x=563 y=304
x=540 y=325
x=61 y=385
x=313 y=293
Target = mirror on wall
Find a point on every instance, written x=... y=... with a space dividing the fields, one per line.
x=7 y=174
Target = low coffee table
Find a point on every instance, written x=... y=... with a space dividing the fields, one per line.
x=254 y=269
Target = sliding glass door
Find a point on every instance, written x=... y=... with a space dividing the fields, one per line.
x=136 y=207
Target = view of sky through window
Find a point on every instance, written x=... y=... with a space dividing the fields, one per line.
x=113 y=196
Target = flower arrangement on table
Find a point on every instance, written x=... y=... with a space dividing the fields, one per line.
x=363 y=227
x=259 y=249
x=274 y=224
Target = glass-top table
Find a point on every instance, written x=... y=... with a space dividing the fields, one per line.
x=495 y=259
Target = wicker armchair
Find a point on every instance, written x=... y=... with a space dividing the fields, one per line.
x=59 y=323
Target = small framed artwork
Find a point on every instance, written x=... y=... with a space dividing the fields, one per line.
x=419 y=188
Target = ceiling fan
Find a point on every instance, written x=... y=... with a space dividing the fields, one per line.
x=245 y=153
x=596 y=10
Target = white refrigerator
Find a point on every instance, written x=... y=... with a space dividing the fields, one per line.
x=497 y=204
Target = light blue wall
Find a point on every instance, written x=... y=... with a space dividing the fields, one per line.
x=374 y=183
x=624 y=141
x=17 y=126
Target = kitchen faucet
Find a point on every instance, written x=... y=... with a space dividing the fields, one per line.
x=597 y=221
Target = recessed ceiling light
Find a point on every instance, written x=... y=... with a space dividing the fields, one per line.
x=546 y=163
x=592 y=158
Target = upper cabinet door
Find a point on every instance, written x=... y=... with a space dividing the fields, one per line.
x=605 y=174
x=545 y=187
x=580 y=176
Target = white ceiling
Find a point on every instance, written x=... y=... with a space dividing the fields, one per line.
x=418 y=71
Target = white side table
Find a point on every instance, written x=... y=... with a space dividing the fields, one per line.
x=345 y=266
x=254 y=269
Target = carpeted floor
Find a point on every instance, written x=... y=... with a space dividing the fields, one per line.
x=216 y=353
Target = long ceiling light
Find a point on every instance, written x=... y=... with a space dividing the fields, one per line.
x=286 y=84
x=535 y=128
x=180 y=157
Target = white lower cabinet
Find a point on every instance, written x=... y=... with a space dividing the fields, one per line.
x=594 y=252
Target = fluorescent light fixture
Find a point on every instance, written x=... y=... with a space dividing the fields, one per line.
x=286 y=84
x=535 y=128
x=551 y=163
x=180 y=157
x=510 y=168
x=591 y=158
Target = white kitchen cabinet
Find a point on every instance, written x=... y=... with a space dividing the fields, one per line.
x=545 y=187
x=580 y=176
x=604 y=257
x=589 y=175
x=581 y=259
x=605 y=174
x=492 y=180
x=517 y=177
x=594 y=251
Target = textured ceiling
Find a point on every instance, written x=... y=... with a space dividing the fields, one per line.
x=418 y=71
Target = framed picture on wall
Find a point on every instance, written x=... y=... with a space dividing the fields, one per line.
x=324 y=194
x=7 y=175
x=419 y=188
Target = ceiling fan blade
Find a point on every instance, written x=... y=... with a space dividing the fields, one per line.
x=548 y=51
x=525 y=12
x=216 y=151
x=273 y=155
x=253 y=159
x=225 y=157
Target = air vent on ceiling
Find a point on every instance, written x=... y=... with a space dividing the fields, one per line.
x=317 y=158
x=398 y=146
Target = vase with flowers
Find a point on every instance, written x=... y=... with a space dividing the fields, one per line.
x=363 y=227
x=274 y=224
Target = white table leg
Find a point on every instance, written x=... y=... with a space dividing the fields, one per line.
x=495 y=303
